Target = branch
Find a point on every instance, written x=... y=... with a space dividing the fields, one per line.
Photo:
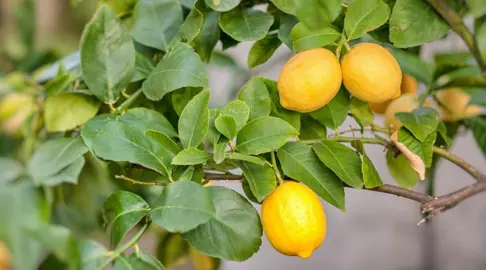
x=401 y=192
x=456 y=23
x=454 y=198
x=473 y=171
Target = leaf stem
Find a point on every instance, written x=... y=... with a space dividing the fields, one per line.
x=137 y=182
x=275 y=169
x=129 y=101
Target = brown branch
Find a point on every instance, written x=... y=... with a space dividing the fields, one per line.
x=401 y=192
x=454 y=198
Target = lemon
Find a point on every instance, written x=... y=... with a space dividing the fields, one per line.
x=408 y=86
x=371 y=73
x=15 y=108
x=5 y=257
x=309 y=80
x=405 y=103
x=456 y=103
x=294 y=220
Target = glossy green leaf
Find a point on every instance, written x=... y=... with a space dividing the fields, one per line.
x=412 y=64
x=342 y=160
x=191 y=156
x=107 y=55
x=240 y=112
x=262 y=50
x=122 y=211
x=301 y=163
x=311 y=129
x=245 y=24
x=222 y=5
x=236 y=220
x=305 y=38
x=478 y=127
x=143 y=67
x=180 y=67
x=183 y=206
x=317 y=13
x=287 y=22
x=67 y=111
x=263 y=135
x=93 y=254
x=260 y=177
x=277 y=110
x=421 y=122
x=334 y=113
x=365 y=15
x=247 y=158
x=207 y=38
x=255 y=94
x=400 y=169
x=287 y=6
x=11 y=170
x=94 y=126
x=371 y=177
x=164 y=141
x=182 y=96
x=361 y=112
x=190 y=28
x=144 y=119
x=213 y=134
x=156 y=22
x=138 y=260
x=226 y=125
x=194 y=120
x=422 y=149
x=407 y=24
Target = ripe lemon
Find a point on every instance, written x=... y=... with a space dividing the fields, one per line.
x=405 y=103
x=5 y=257
x=371 y=73
x=408 y=86
x=456 y=101
x=309 y=80
x=294 y=220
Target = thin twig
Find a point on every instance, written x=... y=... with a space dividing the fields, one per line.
x=405 y=193
x=137 y=182
x=129 y=101
x=473 y=171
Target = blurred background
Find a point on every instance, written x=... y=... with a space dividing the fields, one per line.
x=378 y=231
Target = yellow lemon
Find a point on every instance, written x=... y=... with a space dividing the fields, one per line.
x=456 y=103
x=294 y=220
x=408 y=86
x=5 y=257
x=405 y=103
x=371 y=73
x=309 y=80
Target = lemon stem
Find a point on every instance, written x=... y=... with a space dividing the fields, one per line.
x=275 y=169
x=346 y=45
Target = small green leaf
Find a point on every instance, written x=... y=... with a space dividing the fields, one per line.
x=144 y=119
x=191 y=156
x=277 y=110
x=478 y=127
x=194 y=120
x=407 y=24
x=122 y=211
x=251 y=159
x=219 y=151
x=287 y=23
x=302 y=164
x=480 y=35
x=180 y=67
x=138 y=260
x=442 y=132
x=67 y=111
x=246 y=24
x=226 y=125
x=69 y=174
x=222 y=5
x=421 y=122
x=421 y=149
x=236 y=219
x=263 y=135
x=305 y=38
x=260 y=177
x=143 y=67
x=342 y=160
x=164 y=141
x=93 y=254
x=316 y=13
x=371 y=177
x=190 y=28
x=361 y=112
x=311 y=129
x=213 y=134
x=11 y=170
x=256 y=96
x=262 y=50
x=207 y=38
x=107 y=56
x=183 y=173
x=60 y=241
x=240 y=112
x=287 y=6
x=155 y=22
x=400 y=169
x=365 y=15
x=334 y=113
x=182 y=96
x=183 y=206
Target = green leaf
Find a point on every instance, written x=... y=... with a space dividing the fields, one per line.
x=334 y=113
x=164 y=141
x=247 y=158
x=277 y=110
x=180 y=67
x=11 y=170
x=61 y=82
x=194 y=120
x=190 y=28
x=52 y=157
x=287 y=6
x=478 y=98
x=264 y=134
x=213 y=134
x=246 y=24
x=236 y=220
x=262 y=50
x=478 y=127
x=260 y=177
x=316 y=13
x=121 y=8
x=305 y=38
x=421 y=122
x=422 y=149
x=302 y=164
x=371 y=177
x=68 y=174
x=183 y=206
x=256 y=96
x=400 y=169
x=122 y=211
x=342 y=160
x=476 y=7
x=361 y=112
x=67 y=111
x=219 y=151
x=183 y=173
x=181 y=97
x=226 y=125
x=138 y=260
x=93 y=254
x=413 y=65
x=156 y=22
x=311 y=129
x=222 y=5
x=207 y=38
x=144 y=119
x=240 y=112
x=191 y=156
x=407 y=24
x=480 y=35
x=365 y=15
x=172 y=249
x=143 y=67
x=287 y=23
x=442 y=132
x=107 y=56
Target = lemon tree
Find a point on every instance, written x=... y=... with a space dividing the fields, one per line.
x=123 y=139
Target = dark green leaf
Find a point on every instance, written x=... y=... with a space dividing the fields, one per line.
x=334 y=113
x=260 y=177
x=93 y=254
x=302 y=164
x=183 y=206
x=363 y=16
x=247 y=158
x=144 y=119
x=262 y=50
x=194 y=120
x=222 y=5
x=256 y=96
x=311 y=129
x=209 y=35
x=317 y=13
x=122 y=211
x=277 y=110
x=107 y=56
x=246 y=24
x=180 y=67
x=183 y=173
x=442 y=132
x=143 y=67
x=400 y=169
x=181 y=97
x=478 y=127
x=287 y=22
x=226 y=125
x=191 y=156
x=240 y=112
x=156 y=22
x=213 y=134
x=342 y=160
x=11 y=170
x=361 y=112
x=190 y=28
x=138 y=260
x=413 y=65
x=236 y=220
x=305 y=38
x=371 y=177
x=407 y=24
x=421 y=122
x=164 y=141
x=263 y=135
